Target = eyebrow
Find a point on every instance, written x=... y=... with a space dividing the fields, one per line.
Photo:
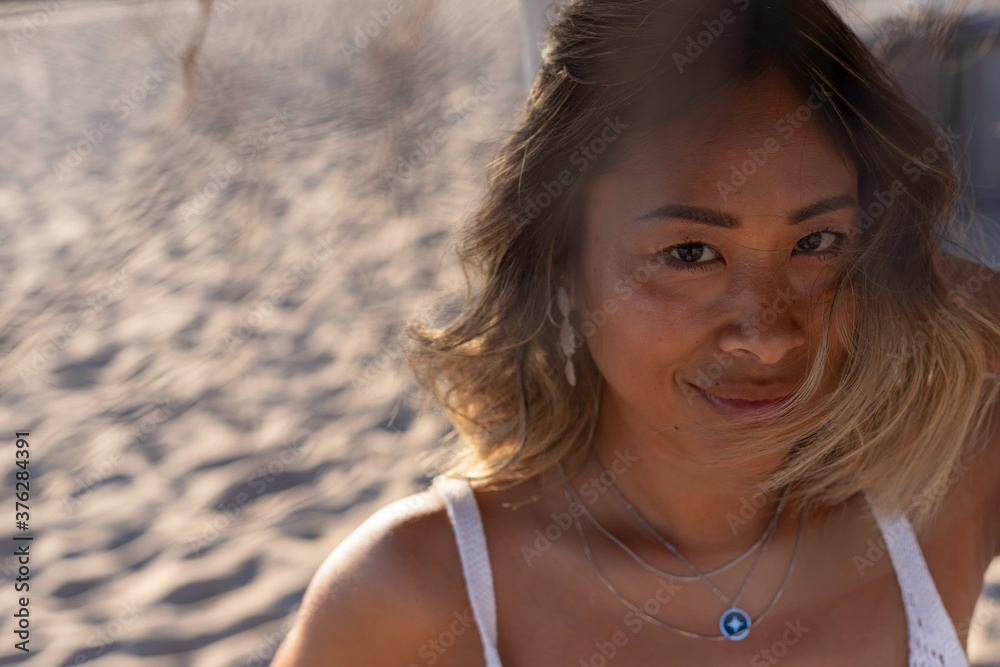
x=716 y=218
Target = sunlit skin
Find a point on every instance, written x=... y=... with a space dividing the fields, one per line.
x=697 y=315
x=688 y=303
x=402 y=569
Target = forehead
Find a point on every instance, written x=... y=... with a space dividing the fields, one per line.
x=757 y=148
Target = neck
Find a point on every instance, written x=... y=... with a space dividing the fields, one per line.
x=707 y=513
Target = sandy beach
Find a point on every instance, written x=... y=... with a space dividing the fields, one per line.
x=206 y=273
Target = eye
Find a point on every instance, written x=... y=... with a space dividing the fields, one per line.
x=691 y=252
x=814 y=242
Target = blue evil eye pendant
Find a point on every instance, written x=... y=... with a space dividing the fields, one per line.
x=734 y=623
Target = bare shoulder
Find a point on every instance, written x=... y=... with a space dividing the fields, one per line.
x=386 y=595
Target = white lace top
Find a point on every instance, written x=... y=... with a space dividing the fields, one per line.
x=932 y=638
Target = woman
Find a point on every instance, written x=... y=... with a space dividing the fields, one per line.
x=722 y=397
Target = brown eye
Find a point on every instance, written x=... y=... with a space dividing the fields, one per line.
x=813 y=244
x=688 y=255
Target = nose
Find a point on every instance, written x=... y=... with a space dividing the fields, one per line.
x=764 y=323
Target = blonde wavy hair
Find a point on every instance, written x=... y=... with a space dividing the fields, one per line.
x=911 y=390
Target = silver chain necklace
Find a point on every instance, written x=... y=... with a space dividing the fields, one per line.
x=698 y=575
x=734 y=623
x=680 y=577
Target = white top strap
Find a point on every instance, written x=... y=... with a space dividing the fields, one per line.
x=932 y=635
x=471 y=538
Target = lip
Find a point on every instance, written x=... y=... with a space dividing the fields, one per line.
x=738 y=407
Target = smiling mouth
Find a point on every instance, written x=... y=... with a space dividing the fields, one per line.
x=734 y=407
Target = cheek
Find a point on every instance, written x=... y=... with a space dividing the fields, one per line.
x=634 y=326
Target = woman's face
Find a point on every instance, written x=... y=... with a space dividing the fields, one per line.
x=710 y=252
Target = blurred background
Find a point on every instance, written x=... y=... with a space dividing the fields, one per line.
x=215 y=216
